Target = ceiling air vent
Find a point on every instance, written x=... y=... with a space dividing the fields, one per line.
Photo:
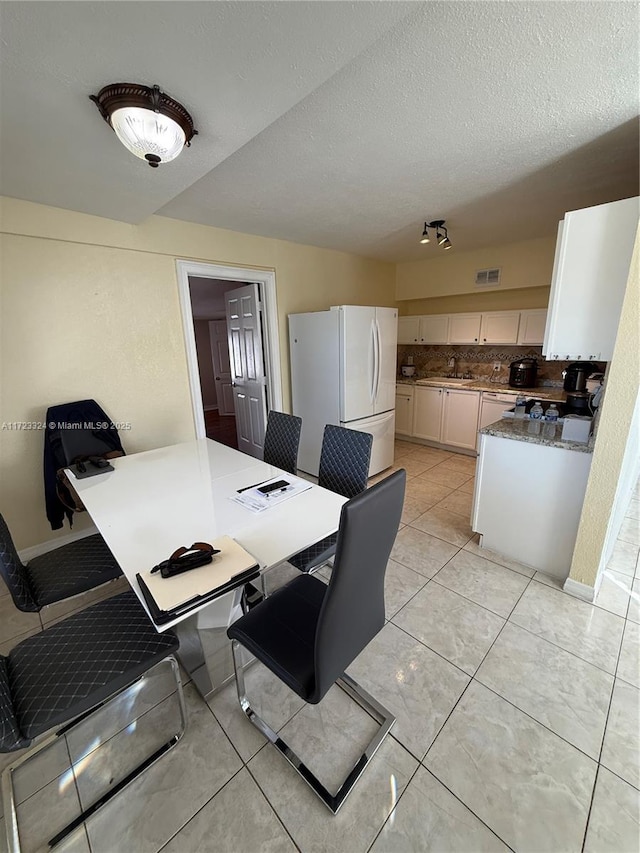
x=488 y=278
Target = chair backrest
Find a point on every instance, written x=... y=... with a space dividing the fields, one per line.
x=353 y=608
x=13 y=572
x=344 y=460
x=281 y=441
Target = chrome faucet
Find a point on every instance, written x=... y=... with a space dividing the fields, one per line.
x=452 y=363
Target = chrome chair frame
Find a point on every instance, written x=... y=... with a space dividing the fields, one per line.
x=380 y=714
x=8 y=793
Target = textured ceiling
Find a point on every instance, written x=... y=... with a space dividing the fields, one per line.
x=336 y=124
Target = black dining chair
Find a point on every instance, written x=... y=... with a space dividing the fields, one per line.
x=70 y=669
x=344 y=469
x=281 y=441
x=308 y=633
x=58 y=574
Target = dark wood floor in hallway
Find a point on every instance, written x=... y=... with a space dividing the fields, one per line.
x=221 y=428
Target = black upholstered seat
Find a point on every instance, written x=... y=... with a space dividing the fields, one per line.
x=61 y=573
x=51 y=680
x=71 y=667
x=308 y=633
x=344 y=469
x=281 y=441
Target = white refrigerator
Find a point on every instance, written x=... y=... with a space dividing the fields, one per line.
x=343 y=371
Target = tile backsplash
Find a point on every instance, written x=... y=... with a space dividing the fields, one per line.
x=478 y=361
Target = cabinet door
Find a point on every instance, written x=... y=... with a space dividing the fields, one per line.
x=427 y=412
x=532 y=323
x=464 y=328
x=460 y=418
x=500 y=327
x=408 y=330
x=590 y=274
x=434 y=329
x=404 y=413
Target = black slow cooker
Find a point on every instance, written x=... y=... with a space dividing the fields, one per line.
x=523 y=373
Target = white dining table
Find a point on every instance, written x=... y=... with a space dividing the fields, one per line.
x=158 y=500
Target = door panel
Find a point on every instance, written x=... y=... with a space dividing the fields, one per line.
x=427 y=412
x=244 y=329
x=460 y=418
x=357 y=361
x=387 y=321
x=221 y=365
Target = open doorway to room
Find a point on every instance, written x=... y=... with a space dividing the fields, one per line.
x=230 y=323
x=214 y=370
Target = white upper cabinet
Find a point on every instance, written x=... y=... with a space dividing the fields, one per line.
x=430 y=329
x=408 y=330
x=500 y=327
x=464 y=328
x=434 y=329
x=590 y=272
x=532 y=323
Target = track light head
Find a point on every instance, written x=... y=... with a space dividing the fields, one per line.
x=442 y=235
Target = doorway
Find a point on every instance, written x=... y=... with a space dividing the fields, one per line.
x=208 y=324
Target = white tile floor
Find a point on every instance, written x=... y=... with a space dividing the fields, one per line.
x=517 y=718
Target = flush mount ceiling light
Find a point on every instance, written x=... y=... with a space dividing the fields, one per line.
x=442 y=235
x=147 y=121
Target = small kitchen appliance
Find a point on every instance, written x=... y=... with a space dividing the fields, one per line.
x=408 y=370
x=523 y=373
x=577 y=373
x=578 y=403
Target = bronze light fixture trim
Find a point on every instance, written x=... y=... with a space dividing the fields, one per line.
x=442 y=235
x=147 y=121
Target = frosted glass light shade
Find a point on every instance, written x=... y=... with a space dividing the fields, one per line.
x=145 y=132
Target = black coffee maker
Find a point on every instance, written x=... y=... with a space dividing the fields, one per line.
x=523 y=373
x=577 y=373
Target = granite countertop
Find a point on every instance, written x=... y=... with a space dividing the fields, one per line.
x=517 y=431
x=542 y=392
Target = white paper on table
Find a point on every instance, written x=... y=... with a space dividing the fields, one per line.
x=256 y=501
x=172 y=592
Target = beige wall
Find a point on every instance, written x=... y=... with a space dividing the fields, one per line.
x=89 y=308
x=524 y=265
x=506 y=300
x=616 y=416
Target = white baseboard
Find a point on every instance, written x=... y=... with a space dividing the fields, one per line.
x=35 y=550
x=579 y=590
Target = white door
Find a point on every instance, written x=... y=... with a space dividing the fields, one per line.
x=464 y=328
x=532 y=325
x=434 y=329
x=460 y=418
x=500 y=327
x=404 y=412
x=358 y=348
x=386 y=346
x=244 y=331
x=221 y=366
x=427 y=412
x=409 y=330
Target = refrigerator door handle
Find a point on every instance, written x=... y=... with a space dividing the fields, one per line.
x=378 y=365
x=374 y=363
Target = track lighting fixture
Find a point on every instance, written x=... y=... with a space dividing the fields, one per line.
x=442 y=235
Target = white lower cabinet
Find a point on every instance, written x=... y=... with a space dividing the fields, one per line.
x=404 y=409
x=427 y=412
x=446 y=415
x=460 y=418
x=528 y=501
